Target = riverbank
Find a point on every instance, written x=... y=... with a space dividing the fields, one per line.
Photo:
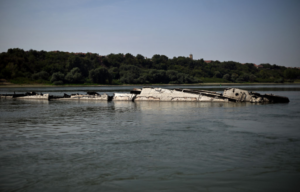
x=8 y=85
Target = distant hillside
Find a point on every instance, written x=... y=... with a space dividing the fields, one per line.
x=56 y=67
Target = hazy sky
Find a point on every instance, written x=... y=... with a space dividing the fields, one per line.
x=256 y=31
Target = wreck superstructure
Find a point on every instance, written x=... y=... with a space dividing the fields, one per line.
x=228 y=95
x=240 y=95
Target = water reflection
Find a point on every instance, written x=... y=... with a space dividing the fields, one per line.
x=79 y=101
x=152 y=105
x=32 y=101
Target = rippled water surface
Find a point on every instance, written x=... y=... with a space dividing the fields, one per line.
x=149 y=146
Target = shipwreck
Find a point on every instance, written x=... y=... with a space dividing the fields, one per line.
x=90 y=96
x=161 y=94
x=27 y=95
x=228 y=95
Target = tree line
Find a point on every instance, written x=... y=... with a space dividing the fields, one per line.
x=57 y=67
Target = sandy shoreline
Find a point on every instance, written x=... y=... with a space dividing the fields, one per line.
x=156 y=85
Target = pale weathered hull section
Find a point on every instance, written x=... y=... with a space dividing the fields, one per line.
x=124 y=97
x=159 y=94
x=95 y=97
x=35 y=97
x=32 y=96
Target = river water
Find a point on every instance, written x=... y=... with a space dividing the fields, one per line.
x=149 y=146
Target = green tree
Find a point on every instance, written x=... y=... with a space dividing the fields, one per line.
x=243 y=78
x=226 y=77
x=290 y=73
x=114 y=73
x=40 y=75
x=74 y=62
x=130 y=71
x=234 y=76
x=143 y=79
x=218 y=74
x=74 y=76
x=160 y=61
x=172 y=75
x=158 y=76
x=130 y=59
x=57 y=78
x=252 y=77
x=99 y=75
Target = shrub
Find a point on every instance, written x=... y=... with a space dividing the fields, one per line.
x=58 y=76
x=279 y=80
x=58 y=82
x=74 y=76
x=40 y=75
x=99 y=75
x=226 y=77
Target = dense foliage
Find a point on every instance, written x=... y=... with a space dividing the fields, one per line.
x=58 y=67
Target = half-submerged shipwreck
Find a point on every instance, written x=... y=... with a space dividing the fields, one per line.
x=240 y=95
x=90 y=96
x=161 y=94
x=27 y=95
x=228 y=95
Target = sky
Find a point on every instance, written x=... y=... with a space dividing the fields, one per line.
x=256 y=31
